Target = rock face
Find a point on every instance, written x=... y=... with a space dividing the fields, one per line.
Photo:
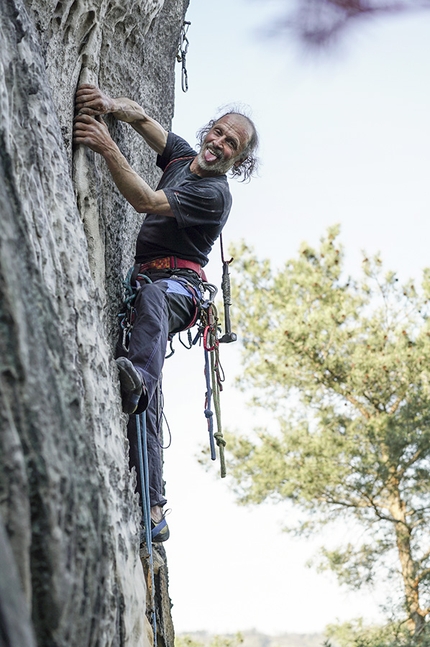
x=67 y=498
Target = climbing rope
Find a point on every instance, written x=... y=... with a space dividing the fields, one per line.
x=146 y=507
x=216 y=388
x=181 y=56
x=213 y=388
x=208 y=411
x=214 y=374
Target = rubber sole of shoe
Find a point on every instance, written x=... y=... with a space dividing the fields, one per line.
x=163 y=532
x=131 y=385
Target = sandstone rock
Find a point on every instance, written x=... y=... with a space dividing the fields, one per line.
x=15 y=623
x=66 y=494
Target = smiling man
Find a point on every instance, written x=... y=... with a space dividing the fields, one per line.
x=185 y=215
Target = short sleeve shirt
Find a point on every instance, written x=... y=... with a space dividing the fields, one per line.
x=201 y=206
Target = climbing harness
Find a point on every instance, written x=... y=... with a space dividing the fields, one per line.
x=181 y=56
x=208 y=328
x=146 y=507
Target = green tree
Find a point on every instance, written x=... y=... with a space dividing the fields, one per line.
x=357 y=634
x=345 y=365
x=213 y=641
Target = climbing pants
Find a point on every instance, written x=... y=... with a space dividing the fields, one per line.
x=164 y=307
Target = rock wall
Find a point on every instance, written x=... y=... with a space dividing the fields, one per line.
x=67 y=498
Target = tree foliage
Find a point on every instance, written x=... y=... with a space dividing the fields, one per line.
x=215 y=641
x=345 y=363
x=357 y=634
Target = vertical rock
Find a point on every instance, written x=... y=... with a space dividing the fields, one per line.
x=66 y=494
x=15 y=623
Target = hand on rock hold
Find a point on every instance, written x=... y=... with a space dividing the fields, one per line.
x=90 y=100
x=92 y=132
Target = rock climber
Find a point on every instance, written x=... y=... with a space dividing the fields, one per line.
x=185 y=215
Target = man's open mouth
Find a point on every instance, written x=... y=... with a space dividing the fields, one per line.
x=210 y=156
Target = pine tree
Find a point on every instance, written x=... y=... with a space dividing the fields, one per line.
x=345 y=365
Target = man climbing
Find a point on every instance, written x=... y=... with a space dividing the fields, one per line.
x=185 y=215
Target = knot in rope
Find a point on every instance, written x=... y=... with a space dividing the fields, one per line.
x=220 y=440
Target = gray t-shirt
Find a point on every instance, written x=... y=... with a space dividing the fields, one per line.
x=201 y=207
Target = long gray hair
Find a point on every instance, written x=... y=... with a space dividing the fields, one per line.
x=249 y=161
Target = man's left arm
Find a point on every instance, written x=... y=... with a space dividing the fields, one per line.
x=90 y=100
x=93 y=132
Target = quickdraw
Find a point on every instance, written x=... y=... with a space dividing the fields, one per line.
x=128 y=316
x=181 y=56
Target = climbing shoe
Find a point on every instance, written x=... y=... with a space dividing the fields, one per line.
x=132 y=386
x=159 y=531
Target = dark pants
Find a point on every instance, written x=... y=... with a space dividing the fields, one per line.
x=163 y=308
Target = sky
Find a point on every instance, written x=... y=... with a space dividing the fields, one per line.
x=344 y=139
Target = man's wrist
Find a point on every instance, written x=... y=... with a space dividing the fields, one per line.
x=127 y=110
x=111 y=153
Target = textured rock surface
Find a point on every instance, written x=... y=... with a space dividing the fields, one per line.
x=15 y=623
x=66 y=495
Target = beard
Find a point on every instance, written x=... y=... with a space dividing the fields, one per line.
x=218 y=167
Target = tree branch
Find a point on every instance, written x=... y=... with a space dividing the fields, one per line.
x=358 y=405
x=424 y=573
x=410 y=462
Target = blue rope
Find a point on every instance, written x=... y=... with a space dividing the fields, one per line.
x=146 y=505
x=208 y=411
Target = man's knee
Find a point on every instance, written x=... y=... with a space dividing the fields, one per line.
x=151 y=297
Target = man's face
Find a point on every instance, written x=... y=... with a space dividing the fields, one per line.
x=224 y=144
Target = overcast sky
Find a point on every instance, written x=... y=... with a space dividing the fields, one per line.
x=345 y=139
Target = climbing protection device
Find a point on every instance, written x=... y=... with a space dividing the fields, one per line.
x=228 y=336
x=181 y=56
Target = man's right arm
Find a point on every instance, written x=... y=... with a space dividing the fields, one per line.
x=90 y=100
x=93 y=132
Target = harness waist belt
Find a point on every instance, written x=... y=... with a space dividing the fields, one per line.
x=173 y=263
